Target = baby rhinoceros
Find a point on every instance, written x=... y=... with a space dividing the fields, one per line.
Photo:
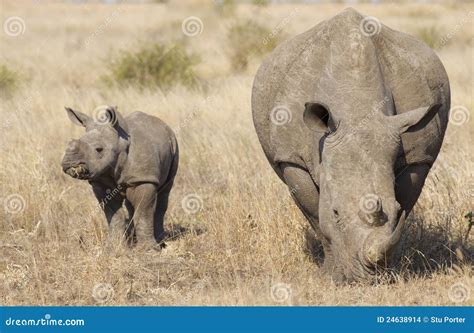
x=131 y=161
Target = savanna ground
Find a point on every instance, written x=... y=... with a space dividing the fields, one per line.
x=239 y=238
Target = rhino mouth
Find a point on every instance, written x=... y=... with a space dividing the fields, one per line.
x=79 y=171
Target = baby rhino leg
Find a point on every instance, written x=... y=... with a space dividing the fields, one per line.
x=143 y=199
x=161 y=207
x=112 y=205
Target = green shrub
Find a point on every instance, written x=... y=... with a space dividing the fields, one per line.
x=225 y=7
x=8 y=80
x=248 y=39
x=430 y=35
x=261 y=3
x=156 y=65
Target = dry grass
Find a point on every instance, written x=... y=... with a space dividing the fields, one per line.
x=248 y=236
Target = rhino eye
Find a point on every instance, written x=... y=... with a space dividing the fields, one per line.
x=99 y=150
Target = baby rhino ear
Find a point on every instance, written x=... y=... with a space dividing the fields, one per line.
x=77 y=117
x=115 y=119
x=112 y=115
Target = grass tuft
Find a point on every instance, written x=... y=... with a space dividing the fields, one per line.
x=9 y=80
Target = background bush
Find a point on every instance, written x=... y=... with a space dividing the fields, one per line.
x=225 y=7
x=157 y=65
x=432 y=36
x=248 y=39
x=8 y=80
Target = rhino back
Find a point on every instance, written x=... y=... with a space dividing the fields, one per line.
x=152 y=153
x=329 y=65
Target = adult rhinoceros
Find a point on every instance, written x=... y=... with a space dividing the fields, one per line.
x=351 y=115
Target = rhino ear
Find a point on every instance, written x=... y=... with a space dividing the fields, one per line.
x=408 y=120
x=116 y=120
x=77 y=117
x=112 y=115
x=316 y=117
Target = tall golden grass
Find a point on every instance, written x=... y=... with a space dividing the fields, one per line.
x=246 y=243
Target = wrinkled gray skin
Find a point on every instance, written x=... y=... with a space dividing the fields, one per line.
x=368 y=116
x=128 y=162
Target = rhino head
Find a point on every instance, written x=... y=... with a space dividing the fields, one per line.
x=359 y=215
x=101 y=150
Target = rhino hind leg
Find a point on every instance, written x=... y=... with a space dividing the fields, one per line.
x=159 y=218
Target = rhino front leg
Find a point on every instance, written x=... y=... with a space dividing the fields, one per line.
x=408 y=186
x=111 y=203
x=142 y=203
x=306 y=196
x=304 y=192
x=409 y=183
